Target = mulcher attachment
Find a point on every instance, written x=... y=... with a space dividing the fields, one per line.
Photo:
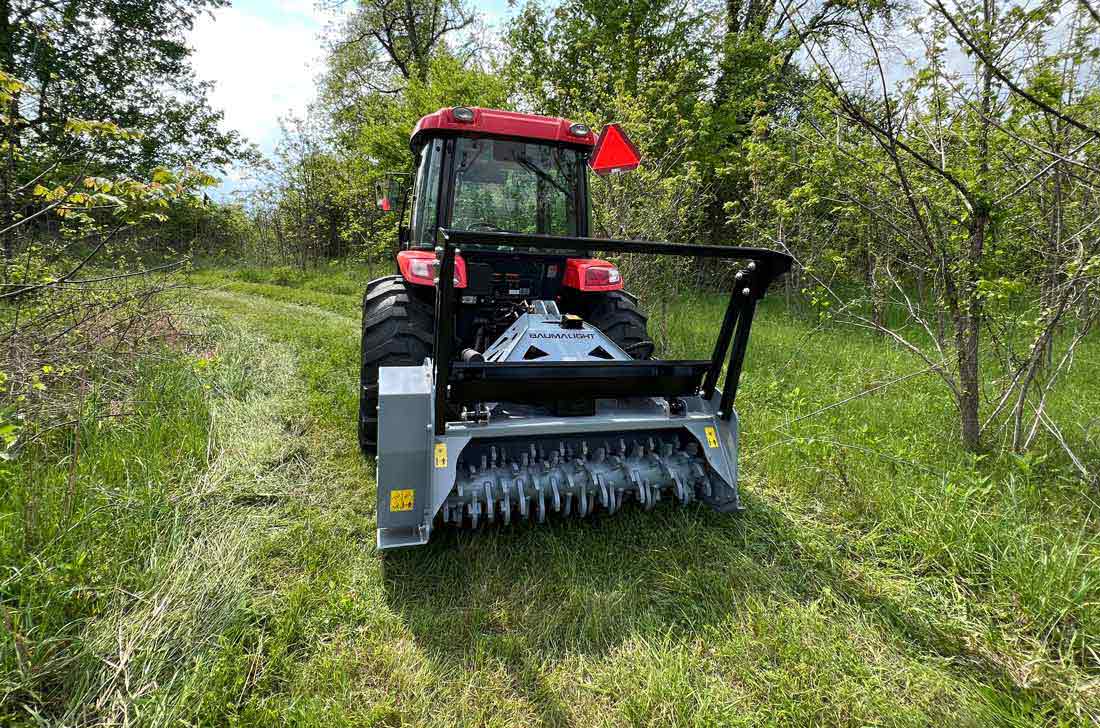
x=554 y=417
x=572 y=477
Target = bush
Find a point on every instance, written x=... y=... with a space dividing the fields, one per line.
x=253 y=275
x=284 y=275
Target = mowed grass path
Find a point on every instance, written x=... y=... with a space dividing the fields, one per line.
x=879 y=576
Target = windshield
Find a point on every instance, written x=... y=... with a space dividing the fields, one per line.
x=516 y=187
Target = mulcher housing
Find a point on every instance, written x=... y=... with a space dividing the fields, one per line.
x=553 y=415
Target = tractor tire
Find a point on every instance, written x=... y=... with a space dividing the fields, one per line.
x=616 y=313
x=398 y=325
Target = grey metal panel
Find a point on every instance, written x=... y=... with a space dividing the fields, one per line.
x=443 y=479
x=542 y=327
x=722 y=459
x=404 y=449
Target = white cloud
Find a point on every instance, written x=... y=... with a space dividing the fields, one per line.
x=263 y=58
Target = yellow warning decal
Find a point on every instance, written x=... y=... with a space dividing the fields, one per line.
x=402 y=500
x=441 y=454
x=712 y=436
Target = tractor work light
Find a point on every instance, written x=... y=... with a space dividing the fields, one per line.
x=579 y=130
x=591 y=274
x=463 y=113
x=418 y=268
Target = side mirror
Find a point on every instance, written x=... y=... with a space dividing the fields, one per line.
x=388 y=192
x=384 y=201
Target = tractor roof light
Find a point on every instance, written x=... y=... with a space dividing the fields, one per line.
x=591 y=274
x=419 y=267
x=579 y=130
x=463 y=114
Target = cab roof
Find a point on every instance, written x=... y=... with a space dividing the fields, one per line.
x=496 y=122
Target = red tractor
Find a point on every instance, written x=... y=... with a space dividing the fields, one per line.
x=505 y=370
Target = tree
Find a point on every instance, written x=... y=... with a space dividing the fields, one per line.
x=940 y=182
x=577 y=57
x=385 y=43
x=122 y=62
x=715 y=67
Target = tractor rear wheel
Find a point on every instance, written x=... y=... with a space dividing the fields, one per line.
x=398 y=324
x=616 y=313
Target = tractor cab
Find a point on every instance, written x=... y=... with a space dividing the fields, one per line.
x=490 y=172
x=499 y=185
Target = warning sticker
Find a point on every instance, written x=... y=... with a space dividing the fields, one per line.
x=402 y=500
x=441 y=454
x=712 y=437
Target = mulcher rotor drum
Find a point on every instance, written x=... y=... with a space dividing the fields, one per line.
x=503 y=480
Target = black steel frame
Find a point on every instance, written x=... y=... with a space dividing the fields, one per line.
x=750 y=285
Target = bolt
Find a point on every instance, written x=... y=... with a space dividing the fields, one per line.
x=739 y=276
x=438 y=250
x=745 y=291
x=752 y=265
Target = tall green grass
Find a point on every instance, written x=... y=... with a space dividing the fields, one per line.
x=880 y=576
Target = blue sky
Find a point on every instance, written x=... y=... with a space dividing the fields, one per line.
x=263 y=57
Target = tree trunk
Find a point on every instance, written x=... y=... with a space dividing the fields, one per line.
x=968 y=340
x=10 y=137
x=968 y=326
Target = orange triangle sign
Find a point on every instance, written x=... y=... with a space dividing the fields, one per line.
x=614 y=152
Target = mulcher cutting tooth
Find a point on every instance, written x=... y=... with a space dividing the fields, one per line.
x=539 y=480
x=521 y=497
x=557 y=494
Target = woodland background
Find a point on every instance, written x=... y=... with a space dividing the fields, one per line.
x=932 y=165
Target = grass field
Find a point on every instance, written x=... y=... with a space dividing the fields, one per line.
x=210 y=561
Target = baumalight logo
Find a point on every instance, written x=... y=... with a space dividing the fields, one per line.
x=561 y=335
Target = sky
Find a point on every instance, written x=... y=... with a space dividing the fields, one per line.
x=263 y=57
